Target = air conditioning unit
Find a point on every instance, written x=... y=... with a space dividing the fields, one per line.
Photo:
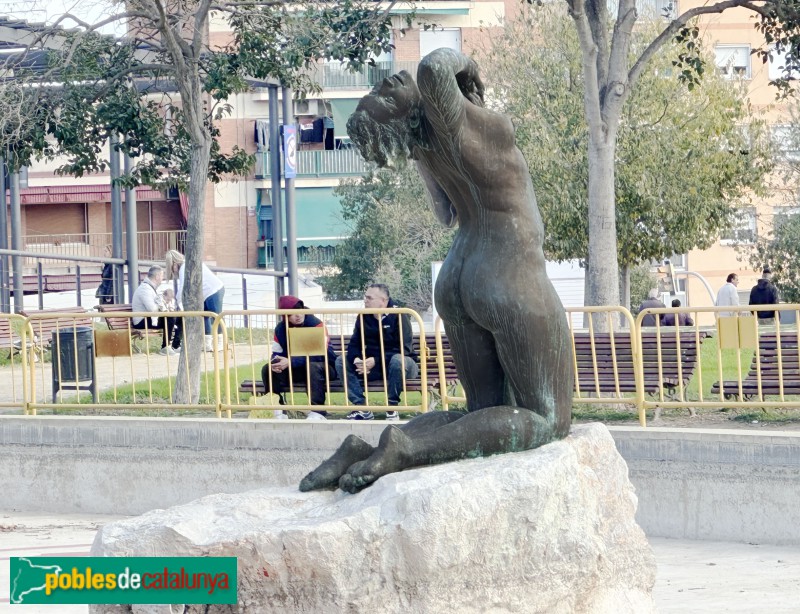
x=309 y=107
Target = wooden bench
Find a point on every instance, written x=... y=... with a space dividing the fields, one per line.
x=126 y=323
x=778 y=373
x=668 y=361
x=45 y=322
x=412 y=385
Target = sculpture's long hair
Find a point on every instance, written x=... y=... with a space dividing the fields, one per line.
x=387 y=144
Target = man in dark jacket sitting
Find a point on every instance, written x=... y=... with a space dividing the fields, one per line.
x=384 y=341
x=651 y=301
x=684 y=319
x=765 y=293
x=302 y=369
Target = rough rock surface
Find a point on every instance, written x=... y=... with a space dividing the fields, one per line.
x=547 y=530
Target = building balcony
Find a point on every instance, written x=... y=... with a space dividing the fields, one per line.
x=319 y=163
x=334 y=76
x=151 y=245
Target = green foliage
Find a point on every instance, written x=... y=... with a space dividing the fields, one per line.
x=684 y=160
x=642 y=281
x=280 y=40
x=110 y=87
x=395 y=237
x=780 y=252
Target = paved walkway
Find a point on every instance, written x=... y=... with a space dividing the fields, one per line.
x=693 y=576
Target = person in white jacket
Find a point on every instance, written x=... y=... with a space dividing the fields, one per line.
x=213 y=289
x=728 y=295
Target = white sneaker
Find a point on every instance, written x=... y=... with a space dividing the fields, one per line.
x=315 y=416
x=168 y=351
x=278 y=414
x=392 y=415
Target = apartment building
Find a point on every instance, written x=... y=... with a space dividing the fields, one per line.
x=73 y=215
x=241 y=213
x=732 y=37
x=59 y=211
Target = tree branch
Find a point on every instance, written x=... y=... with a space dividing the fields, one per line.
x=589 y=52
x=676 y=24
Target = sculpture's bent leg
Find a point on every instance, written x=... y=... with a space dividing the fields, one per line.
x=488 y=431
x=355 y=449
x=536 y=355
x=477 y=363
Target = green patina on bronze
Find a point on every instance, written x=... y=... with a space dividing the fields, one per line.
x=504 y=320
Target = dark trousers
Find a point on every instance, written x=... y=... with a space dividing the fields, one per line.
x=300 y=377
x=213 y=303
x=171 y=328
x=398 y=364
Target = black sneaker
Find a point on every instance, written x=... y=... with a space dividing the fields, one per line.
x=360 y=415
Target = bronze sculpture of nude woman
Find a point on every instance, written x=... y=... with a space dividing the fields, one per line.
x=506 y=325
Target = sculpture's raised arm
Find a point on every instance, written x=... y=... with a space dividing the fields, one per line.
x=447 y=81
x=442 y=206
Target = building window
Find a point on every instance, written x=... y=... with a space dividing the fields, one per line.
x=649 y=9
x=777 y=66
x=780 y=215
x=786 y=140
x=733 y=60
x=743 y=228
x=434 y=38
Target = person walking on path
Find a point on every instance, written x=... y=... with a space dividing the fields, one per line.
x=728 y=295
x=765 y=293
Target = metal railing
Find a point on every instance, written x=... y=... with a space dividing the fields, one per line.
x=738 y=363
x=320 y=163
x=331 y=75
x=746 y=362
x=152 y=245
x=607 y=367
x=98 y=366
x=248 y=379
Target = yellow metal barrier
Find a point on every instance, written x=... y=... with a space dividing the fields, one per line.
x=607 y=362
x=108 y=373
x=601 y=373
x=748 y=364
x=251 y=335
x=17 y=343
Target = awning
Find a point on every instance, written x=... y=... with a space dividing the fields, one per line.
x=342 y=109
x=329 y=242
x=319 y=216
x=40 y=195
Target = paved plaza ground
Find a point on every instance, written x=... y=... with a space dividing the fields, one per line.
x=693 y=576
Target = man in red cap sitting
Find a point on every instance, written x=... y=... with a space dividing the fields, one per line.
x=302 y=369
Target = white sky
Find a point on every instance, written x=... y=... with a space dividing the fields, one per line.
x=49 y=10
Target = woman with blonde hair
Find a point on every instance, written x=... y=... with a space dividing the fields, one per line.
x=213 y=289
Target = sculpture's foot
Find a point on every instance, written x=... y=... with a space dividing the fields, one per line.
x=327 y=475
x=393 y=453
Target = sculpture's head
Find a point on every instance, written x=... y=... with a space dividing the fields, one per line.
x=386 y=120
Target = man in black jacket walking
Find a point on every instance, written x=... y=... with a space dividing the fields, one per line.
x=765 y=293
x=381 y=348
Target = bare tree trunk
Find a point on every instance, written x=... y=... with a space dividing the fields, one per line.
x=603 y=282
x=187 y=385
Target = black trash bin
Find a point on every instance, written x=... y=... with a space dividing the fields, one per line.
x=73 y=360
